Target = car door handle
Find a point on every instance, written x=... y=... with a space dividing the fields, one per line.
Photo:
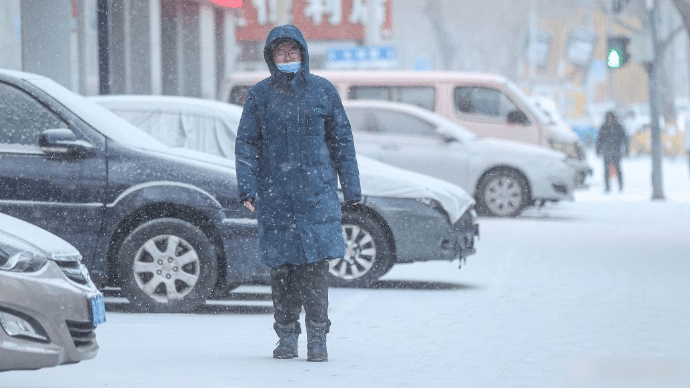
x=390 y=146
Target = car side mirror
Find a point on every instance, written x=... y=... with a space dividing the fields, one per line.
x=62 y=141
x=447 y=137
x=517 y=117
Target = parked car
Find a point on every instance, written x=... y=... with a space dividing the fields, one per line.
x=405 y=217
x=505 y=177
x=162 y=224
x=488 y=105
x=49 y=307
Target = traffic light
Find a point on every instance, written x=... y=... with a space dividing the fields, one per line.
x=617 y=53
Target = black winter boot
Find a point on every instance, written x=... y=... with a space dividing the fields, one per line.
x=316 y=341
x=287 y=342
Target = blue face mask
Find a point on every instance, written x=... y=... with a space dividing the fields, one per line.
x=290 y=67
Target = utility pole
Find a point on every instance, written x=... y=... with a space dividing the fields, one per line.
x=654 y=96
x=612 y=84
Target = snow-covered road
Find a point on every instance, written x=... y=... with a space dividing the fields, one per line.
x=569 y=295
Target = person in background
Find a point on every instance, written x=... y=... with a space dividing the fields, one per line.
x=611 y=143
x=294 y=141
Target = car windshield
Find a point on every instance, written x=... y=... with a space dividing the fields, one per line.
x=547 y=113
x=537 y=113
x=448 y=127
x=101 y=119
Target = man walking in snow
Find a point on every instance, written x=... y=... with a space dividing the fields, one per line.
x=610 y=142
x=294 y=141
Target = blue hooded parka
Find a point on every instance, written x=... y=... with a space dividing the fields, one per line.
x=293 y=142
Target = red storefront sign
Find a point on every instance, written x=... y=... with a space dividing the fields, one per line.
x=228 y=3
x=318 y=19
x=256 y=19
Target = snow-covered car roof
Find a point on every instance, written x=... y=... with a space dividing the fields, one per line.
x=214 y=130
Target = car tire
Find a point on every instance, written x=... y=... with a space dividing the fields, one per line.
x=368 y=253
x=158 y=278
x=503 y=193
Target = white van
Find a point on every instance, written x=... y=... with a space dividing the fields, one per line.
x=487 y=104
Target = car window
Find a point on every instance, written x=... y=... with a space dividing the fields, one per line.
x=369 y=93
x=423 y=96
x=104 y=121
x=238 y=94
x=361 y=120
x=23 y=118
x=399 y=123
x=481 y=101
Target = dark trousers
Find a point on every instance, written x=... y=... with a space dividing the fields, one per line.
x=616 y=162
x=297 y=286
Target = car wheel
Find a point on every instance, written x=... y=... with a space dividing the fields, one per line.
x=368 y=253
x=167 y=265
x=503 y=193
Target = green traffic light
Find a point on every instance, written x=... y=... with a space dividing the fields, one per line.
x=613 y=60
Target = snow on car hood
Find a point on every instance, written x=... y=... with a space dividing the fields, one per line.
x=380 y=179
x=199 y=156
x=30 y=238
x=563 y=133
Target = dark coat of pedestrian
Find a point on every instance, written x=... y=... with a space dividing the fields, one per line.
x=612 y=142
x=294 y=141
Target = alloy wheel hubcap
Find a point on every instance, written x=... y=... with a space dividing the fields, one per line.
x=503 y=195
x=166 y=268
x=360 y=254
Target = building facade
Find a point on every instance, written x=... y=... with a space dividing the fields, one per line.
x=121 y=46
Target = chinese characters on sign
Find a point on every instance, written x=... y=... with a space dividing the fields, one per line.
x=318 y=19
x=317 y=9
x=361 y=57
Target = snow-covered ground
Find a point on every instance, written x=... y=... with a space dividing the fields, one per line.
x=586 y=293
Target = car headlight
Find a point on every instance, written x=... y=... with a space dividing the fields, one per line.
x=473 y=215
x=14 y=260
x=570 y=149
x=434 y=204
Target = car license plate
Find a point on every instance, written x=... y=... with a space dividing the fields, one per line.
x=97 y=309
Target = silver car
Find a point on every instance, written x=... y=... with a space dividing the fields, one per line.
x=504 y=176
x=49 y=307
